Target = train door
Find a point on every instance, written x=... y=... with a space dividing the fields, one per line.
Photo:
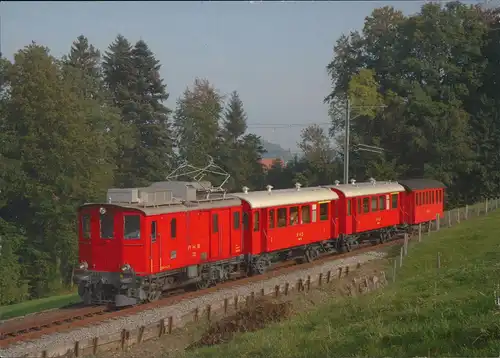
x=86 y=222
x=225 y=230
x=215 y=235
x=155 y=246
x=107 y=253
x=236 y=231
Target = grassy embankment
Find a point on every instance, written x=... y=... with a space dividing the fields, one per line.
x=42 y=304
x=426 y=312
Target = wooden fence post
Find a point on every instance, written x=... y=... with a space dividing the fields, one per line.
x=406 y=245
x=448 y=214
x=394 y=271
x=420 y=232
x=401 y=257
x=466 y=211
x=486 y=206
x=438 y=222
x=458 y=215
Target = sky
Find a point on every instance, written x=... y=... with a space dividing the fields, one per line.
x=273 y=53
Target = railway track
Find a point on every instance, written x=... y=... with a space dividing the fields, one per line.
x=33 y=327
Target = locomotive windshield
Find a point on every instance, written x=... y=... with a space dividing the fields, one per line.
x=107 y=225
x=131 y=227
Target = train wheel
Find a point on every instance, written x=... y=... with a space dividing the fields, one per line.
x=154 y=296
x=312 y=254
x=261 y=264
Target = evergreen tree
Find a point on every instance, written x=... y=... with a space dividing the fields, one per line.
x=196 y=122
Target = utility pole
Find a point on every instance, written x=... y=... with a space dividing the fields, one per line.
x=346 y=146
x=347 y=137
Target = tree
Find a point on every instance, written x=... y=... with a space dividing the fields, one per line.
x=153 y=153
x=133 y=77
x=426 y=68
x=239 y=154
x=196 y=122
x=62 y=162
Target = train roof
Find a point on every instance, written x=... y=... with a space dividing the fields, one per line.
x=421 y=184
x=265 y=199
x=172 y=208
x=367 y=188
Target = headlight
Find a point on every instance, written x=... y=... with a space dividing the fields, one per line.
x=126 y=268
x=83 y=265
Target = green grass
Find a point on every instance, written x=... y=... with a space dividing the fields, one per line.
x=447 y=313
x=32 y=306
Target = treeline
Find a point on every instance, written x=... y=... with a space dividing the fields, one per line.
x=73 y=127
x=424 y=88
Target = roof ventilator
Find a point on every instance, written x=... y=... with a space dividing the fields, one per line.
x=245 y=189
x=353 y=181
x=269 y=188
x=373 y=181
x=297 y=186
x=337 y=183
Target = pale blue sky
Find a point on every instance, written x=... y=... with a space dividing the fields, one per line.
x=274 y=54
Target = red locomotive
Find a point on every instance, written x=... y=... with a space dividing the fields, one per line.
x=174 y=234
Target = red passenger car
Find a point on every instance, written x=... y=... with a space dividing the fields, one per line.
x=368 y=210
x=284 y=221
x=424 y=200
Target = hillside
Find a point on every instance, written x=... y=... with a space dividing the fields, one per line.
x=276 y=151
x=426 y=312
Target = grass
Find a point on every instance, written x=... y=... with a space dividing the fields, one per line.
x=32 y=306
x=426 y=312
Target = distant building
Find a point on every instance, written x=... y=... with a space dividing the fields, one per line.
x=267 y=163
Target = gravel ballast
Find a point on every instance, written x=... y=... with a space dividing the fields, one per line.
x=178 y=310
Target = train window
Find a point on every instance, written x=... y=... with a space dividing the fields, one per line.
x=394 y=201
x=153 y=231
x=86 y=226
x=381 y=202
x=173 y=228
x=281 y=217
x=323 y=211
x=374 y=203
x=245 y=221
x=349 y=207
x=272 y=218
x=236 y=220
x=306 y=214
x=427 y=198
x=417 y=198
x=107 y=223
x=215 y=223
x=359 y=206
x=294 y=215
x=366 y=205
x=131 y=227
x=432 y=197
x=256 y=223
x=314 y=214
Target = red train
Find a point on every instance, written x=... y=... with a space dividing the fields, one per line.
x=173 y=234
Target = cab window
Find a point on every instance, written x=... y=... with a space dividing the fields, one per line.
x=306 y=214
x=272 y=217
x=366 y=205
x=294 y=215
x=107 y=223
x=256 y=221
x=215 y=223
x=85 y=226
x=381 y=202
x=236 y=220
x=131 y=227
x=323 y=211
x=173 y=228
x=153 y=231
x=394 y=201
x=281 y=217
x=374 y=204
